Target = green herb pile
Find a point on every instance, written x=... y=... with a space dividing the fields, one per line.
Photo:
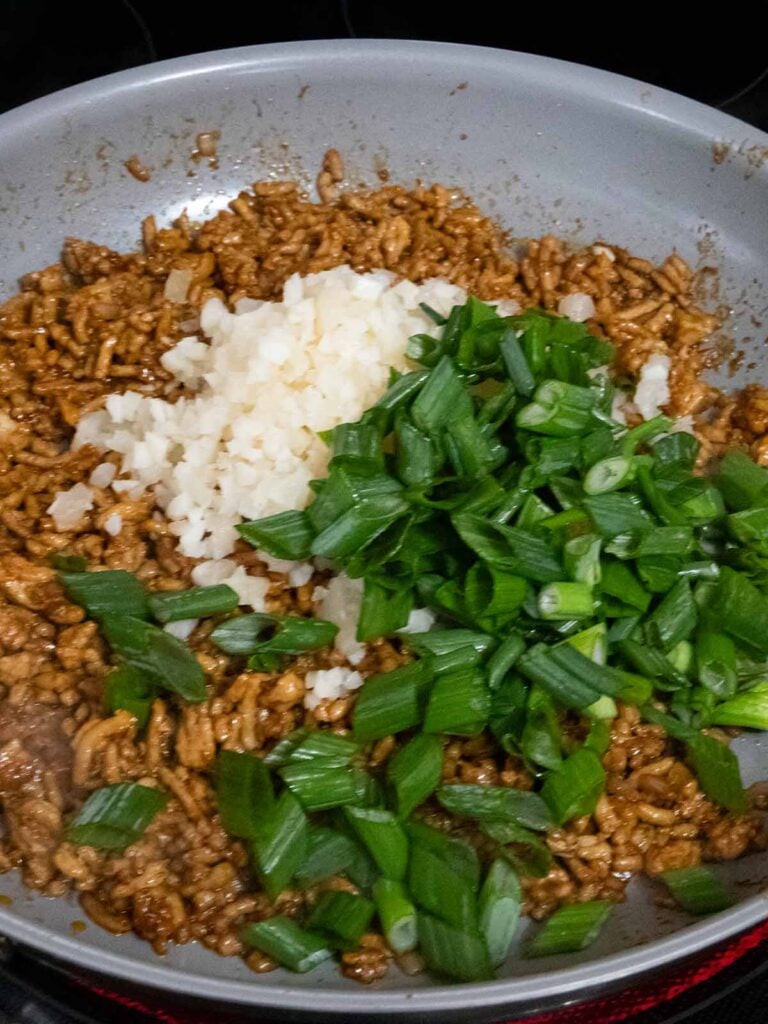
x=571 y=563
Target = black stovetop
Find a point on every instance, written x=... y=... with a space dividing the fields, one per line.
x=34 y=992
x=46 y=45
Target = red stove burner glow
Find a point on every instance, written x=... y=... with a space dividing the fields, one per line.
x=613 y=1009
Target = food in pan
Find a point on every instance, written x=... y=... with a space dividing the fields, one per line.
x=369 y=581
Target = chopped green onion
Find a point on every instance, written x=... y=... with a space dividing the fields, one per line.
x=681 y=656
x=417 y=456
x=591 y=643
x=457 y=853
x=563 y=601
x=243 y=633
x=358 y=442
x=534 y=510
x=644 y=432
x=115 y=816
x=609 y=475
x=496 y=803
x=453 y=952
x=651 y=662
x=615 y=514
x=436 y=887
x=287 y=942
x=111 y=592
x=383 y=610
x=623 y=628
x=319 y=745
x=573 y=789
x=698 y=890
x=415 y=772
x=328 y=852
x=196 y=603
x=460 y=703
x=541 y=741
x=750 y=527
x=747 y=710
x=553 y=454
x=499 y=907
x=293 y=635
x=282 y=751
x=679 y=450
x=599 y=738
x=509 y=548
x=571 y=928
x=359 y=526
x=736 y=606
x=68 y=563
x=717 y=769
x=659 y=572
x=716 y=663
x=344 y=914
x=280 y=843
x=400 y=391
x=704 y=506
x=319 y=785
x=166 y=661
x=391 y=702
x=665 y=540
x=469 y=451
x=743 y=483
x=128 y=689
x=574 y=679
x=244 y=793
x=581 y=557
x=491 y=593
x=665 y=509
x=396 y=913
x=527 y=852
x=285 y=535
x=558 y=409
x=503 y=659
x=516 y=364
x=433 y=315
x=442 y=397
x=383 y=836
x=675 y=618
x=620 y=582
x=368 y=789
x=450 y=649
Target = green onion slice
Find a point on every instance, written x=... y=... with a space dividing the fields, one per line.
x=571 y=928
x=111 y=592
x=499 y=909
x=345 y=915
x=287 y=942
x=397 y=914
x=454 y=952
x=115 y=816
x=383 y=836
x=196 y=603
x=698 y=890
x=166 y=661
x=496 y=803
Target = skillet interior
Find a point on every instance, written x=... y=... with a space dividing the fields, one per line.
x=543 y=146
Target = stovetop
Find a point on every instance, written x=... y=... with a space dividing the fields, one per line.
x=727 y=985
x=47 y=45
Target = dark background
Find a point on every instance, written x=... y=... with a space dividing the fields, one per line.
x=46 y=45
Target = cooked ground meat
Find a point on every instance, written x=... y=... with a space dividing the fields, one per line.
x=98 y=322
